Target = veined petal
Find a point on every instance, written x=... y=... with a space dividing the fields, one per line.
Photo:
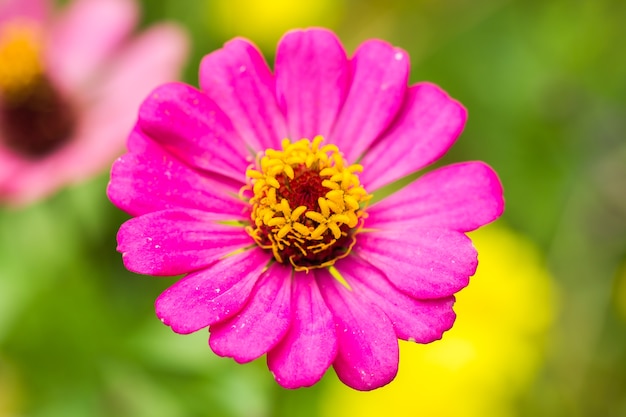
x=172 y=242
x=211 y=295
x=261 y=323
x=238 y=79
x=460 y=197
x=423 y=263
x=153 y=180
x=379 y=82
x=86 y=34
x=427 y=125
x=310 y=345
x=312 y=76
x=367 y=354
x=422 y=321
x=191 y=127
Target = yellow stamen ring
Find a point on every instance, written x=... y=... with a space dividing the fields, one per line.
x=307 y=205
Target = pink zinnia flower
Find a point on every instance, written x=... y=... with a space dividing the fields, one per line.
x=70 y=86
x=257 y=186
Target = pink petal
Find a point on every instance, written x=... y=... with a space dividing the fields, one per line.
x=172 y=242
x=422 y=321
x=310 y=345
x=311 y=81
x=152 y=58
x=86 y=34
x=33 y=10
x=427 y=125
x=191 y=127
x=261 y=323
x=211 y=295
x=423 y=263
x=9 y=164
x=238 y=79
x=380 y=74
x=152 y=180
x=460 y=197
x=367 y=355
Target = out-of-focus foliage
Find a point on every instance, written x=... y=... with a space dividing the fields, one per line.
x=545 y=86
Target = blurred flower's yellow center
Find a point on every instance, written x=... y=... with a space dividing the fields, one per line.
x=20 y=60
x=307 y=205
x=35 y=118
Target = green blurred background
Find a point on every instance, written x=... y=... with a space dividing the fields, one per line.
x=545 y=86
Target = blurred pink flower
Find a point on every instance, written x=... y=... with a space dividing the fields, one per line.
x=70 y=86
x=282 y=252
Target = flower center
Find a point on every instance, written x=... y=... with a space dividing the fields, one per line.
x=307 y=205
x=20 y=60
x=34 y=118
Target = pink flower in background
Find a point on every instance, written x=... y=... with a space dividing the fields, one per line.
x=258 y=188
x=70 y=86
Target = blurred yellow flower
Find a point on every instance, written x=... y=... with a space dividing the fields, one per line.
x=488 y=358
x=265 y=22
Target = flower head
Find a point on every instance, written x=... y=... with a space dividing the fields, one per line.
x=69 y=85
x=258 y=187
